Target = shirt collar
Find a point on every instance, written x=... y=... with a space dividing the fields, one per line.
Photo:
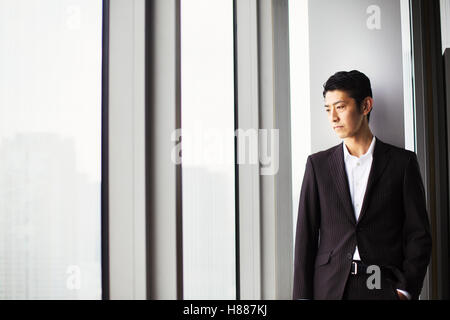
x=369 y=151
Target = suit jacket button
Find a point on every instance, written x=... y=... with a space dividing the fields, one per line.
x=349 y=256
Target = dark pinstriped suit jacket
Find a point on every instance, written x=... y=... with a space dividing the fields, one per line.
x=392 y=230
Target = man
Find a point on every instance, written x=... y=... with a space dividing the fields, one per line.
x=362 y=207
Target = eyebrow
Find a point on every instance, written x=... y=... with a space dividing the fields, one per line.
x=326 y=106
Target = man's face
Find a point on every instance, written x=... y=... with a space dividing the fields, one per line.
x=344 y=115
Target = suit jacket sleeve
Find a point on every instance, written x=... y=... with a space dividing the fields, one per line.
x=416 y=231
x=307 y=234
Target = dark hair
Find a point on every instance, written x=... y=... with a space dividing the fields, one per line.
x=355 y=83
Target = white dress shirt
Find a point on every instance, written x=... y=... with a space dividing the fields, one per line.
x=358 y=170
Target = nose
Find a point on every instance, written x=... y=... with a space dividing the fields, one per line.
x=333 y=115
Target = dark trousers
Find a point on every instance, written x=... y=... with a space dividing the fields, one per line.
x=356 y=288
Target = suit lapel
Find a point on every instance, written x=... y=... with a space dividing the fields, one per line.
x=339 y=176
x=379 y=162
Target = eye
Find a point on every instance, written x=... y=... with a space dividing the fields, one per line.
x=327 y=110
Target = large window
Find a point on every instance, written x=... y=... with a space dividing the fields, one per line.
x=208 y=149
x=50 y=149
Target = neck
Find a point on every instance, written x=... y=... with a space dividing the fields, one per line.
x=358 y=144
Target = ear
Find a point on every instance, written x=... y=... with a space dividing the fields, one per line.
x=367 y=105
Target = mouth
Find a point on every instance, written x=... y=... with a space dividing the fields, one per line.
x=338 y=127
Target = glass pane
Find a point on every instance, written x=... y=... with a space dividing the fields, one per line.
x=300 y=96
x=445 y=23
x=50 y=143
x=208 y=149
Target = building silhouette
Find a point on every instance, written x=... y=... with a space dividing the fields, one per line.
x=49 y=221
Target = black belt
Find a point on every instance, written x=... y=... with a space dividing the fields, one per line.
x=360 y=268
